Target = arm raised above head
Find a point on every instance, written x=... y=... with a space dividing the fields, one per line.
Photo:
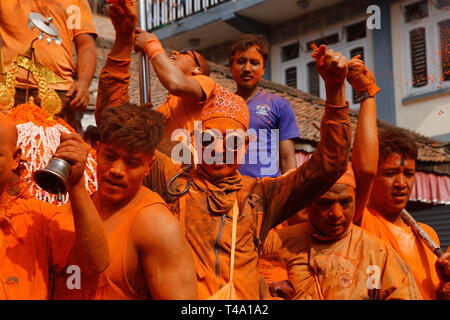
x=365 y=145
x=288 y=194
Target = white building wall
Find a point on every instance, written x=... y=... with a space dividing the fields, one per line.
x=430 y=115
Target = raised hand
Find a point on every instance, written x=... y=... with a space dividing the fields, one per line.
x=331 y=65
x=73 y=150
x=124 y=15
x=360 y=78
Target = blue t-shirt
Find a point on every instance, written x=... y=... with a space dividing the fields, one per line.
x=271 y=120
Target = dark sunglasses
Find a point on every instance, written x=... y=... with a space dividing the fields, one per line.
x=233 y=141
x=186 y=51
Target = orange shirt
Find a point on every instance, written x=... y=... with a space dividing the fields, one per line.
x=70 y=17
x=113 y=283
x=38 y=240
x=181 y=112
x=410 y=247
x=350 y=268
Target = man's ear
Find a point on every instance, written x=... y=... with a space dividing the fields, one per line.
x=150 y=165
x=197 y=71
x=16 y=157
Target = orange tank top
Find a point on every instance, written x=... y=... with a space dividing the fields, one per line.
x=113 y=283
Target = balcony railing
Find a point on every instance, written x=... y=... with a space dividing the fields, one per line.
x=164 y=12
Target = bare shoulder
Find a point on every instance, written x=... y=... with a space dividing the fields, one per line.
x=154 y=225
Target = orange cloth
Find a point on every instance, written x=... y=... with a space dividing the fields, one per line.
x=270 y=266
x=263 y=203
x=348 y=177
x=17 y=36
x=343 y=269
x=113 y=283
x=38 y=240
x=410 y=247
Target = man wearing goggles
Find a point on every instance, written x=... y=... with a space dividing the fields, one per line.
x=215 y=190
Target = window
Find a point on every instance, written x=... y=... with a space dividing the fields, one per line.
x=416 y=11
x=291 y=77
x=426 y=42
x=418 y=57
x=300 y=72
x=356 y=31
x=289 y=52
x=444 y=33
x=313 y=79
x=328 y=40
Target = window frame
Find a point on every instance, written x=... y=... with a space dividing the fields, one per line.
x=342 y=46
x=432 y=46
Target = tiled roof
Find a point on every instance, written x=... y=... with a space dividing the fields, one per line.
x=433 y=155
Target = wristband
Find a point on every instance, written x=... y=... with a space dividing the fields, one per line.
x=152 y=48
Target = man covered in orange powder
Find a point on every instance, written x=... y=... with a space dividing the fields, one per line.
x=38 y=239
x=73 y=19
x=328 y=257
x=137 y=222
x=185 y=73
x=390 y=193
x=214 y=188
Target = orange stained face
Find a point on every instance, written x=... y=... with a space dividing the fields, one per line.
x=9 y=152
x=225 y=153
x=185 y=62
x=247 y=67
x=120 y=173
x=333 y=212
x=393 y=184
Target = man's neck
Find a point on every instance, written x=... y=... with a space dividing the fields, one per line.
x=247 y=93
x=393 y=217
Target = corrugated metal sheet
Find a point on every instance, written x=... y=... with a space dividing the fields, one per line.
x=439 y=219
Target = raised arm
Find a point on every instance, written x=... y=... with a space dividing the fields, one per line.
x=115 y=75
x=177 y=81
x=165 y=255
x=90 y=252
x=365 y=145
x=286 y=195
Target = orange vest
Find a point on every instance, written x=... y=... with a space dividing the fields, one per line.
x=112 y=284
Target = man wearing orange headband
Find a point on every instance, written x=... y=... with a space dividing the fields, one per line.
x=212 y=197
x=329 y=258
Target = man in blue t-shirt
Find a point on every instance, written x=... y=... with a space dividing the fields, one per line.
x=272 y=120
